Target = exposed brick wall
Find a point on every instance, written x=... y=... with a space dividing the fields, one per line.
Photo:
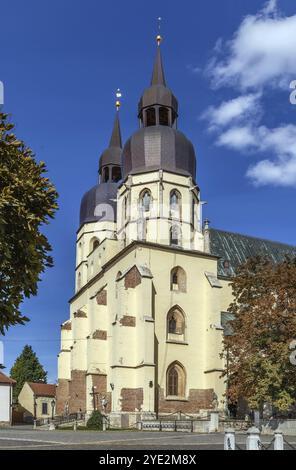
x=101 y=297
x=77 y=391
x=80 y=314
x=62 y=395
x=100 y=334
x=128 y=320
x=132 y=278
x=131 y=399
x=100 y=381
x=66 y=326
x=198 y=399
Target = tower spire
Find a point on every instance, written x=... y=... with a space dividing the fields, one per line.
x=158 y=73
x=115 y=140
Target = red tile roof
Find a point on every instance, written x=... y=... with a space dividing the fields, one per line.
x=6 y=380
x=43 y=390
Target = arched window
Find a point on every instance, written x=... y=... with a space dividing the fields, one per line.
x=176 y=324
x=163 y=116
x=79 y=281
x=106 y=175
x=79 y=254
x=150 y=117
x=116 y=173
x=175 y=204
x=93 y=244
x=178 y=279
x=175 y=235
x=176 y=380
x=145 y=200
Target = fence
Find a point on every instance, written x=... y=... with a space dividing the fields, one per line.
x=253 y=441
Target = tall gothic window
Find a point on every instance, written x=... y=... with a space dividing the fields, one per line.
x=176 y=324
x=175 y=235
x=175 y=204
x=150 y=117
x=176 y=380
x=145 y=200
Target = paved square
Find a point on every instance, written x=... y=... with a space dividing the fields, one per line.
x=19 y=438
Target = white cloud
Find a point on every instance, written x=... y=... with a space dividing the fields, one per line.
x=278 y=142
x=243 y=107
x=237 y=138
x=262 y=52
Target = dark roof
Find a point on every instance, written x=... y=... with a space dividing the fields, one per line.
x=112 y=155
x=158 y=93
x=99 y=203
x=158 y=73
x=4 y=379
x=43 y=390
x=234 y=249
x=158 y=147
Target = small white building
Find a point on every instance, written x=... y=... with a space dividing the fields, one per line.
x=6 y=385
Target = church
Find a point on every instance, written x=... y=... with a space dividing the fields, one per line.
x=152 y=279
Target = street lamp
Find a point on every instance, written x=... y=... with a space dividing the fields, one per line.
x=52 y=408
x=35 y=407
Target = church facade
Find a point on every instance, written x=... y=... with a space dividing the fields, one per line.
x=152 y=285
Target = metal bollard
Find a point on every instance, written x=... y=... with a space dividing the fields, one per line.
x=75 y=426
x=278 y=441
x=35 y=424
x=51 y=426
x=229 y=439
x=253 y=439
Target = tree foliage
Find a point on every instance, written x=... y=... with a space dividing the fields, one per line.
x=264 y=307
x=27 y=368
x=27 y=201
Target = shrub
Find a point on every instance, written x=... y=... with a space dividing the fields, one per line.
x=95 y=421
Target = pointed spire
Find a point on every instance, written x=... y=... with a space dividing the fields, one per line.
x=158 y=73
x=115 y=140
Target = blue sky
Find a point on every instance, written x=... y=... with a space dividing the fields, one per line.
x=61 y=62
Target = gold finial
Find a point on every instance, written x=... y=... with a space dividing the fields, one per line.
x=118 y=96
x=159 y=37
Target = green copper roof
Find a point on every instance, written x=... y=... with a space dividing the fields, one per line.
x=234 y=249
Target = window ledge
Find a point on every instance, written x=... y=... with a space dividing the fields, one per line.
x=176 y=342
x=173 y=398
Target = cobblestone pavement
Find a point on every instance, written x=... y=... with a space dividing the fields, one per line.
x=24 y=438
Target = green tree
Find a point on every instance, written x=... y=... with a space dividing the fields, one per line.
x=27 y=368
x=27 y=201
x=258 y=354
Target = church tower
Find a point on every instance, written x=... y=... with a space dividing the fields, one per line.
x=144 y=336
x=98 y=208
x=158 y=200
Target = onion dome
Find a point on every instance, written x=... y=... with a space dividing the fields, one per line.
x=99 y=203
x=158 y=147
